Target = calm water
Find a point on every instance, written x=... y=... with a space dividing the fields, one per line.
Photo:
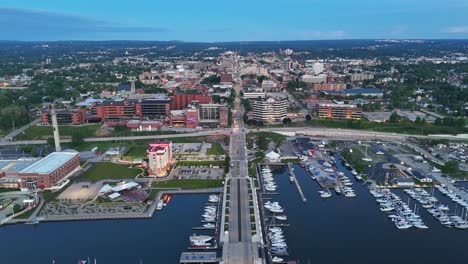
x=157 y=240
x=342 y=230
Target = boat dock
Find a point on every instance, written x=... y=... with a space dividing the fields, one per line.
x=291 y=172
x=198 y=257
x=203 y=228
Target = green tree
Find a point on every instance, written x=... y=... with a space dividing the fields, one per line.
x=450 y=166
x=394 y=118
x=227 y=163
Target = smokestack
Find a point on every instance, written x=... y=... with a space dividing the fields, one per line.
x=56 y=130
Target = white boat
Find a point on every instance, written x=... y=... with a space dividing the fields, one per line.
x=435 y=170
x=281 y=217
x=379 y=153
x=329 y=170
x=277 y=260
x=199 y=240
x=402 y=225
x=291 y=178
x=325 y=194
x=349 y=194
x=159 y=205
x=354 y=172
x=209 y=225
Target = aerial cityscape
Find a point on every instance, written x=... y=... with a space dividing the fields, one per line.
x=233 y=144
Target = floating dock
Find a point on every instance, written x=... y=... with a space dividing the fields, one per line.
x=291 y=172
x=198 y=257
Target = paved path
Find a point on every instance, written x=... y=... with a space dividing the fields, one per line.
x=240 y=249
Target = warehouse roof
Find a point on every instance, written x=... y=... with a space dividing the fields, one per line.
x=50 y=163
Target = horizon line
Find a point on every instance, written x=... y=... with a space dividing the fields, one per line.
x=234 y=41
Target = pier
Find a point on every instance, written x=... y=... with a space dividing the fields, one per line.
x=291 y=172
x=198 y=257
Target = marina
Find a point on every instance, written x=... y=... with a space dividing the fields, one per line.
x=352 y=225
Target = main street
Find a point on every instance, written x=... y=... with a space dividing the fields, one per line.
x=240 y=246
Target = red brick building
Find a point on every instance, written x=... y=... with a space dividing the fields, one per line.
x=65 y=117
x=183 y=99
x=225 y=78
x=46 y=172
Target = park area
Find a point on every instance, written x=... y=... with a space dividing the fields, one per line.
x=108 y=170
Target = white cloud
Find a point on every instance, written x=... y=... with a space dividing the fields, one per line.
x=459 y=29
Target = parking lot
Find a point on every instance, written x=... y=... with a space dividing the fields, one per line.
x=191 y=148
x=197 y=172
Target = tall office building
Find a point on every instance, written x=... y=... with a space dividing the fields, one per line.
x=269 y=110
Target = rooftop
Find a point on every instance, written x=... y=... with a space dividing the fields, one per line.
x=16 y=165
x=50 y=163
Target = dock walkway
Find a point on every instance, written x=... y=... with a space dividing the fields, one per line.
x=291 y=172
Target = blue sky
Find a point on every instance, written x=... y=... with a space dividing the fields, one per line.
x=234 y=20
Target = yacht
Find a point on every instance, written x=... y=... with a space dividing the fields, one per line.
x=281 y=217
x=200 y=240
x=325 y=194
x=337 y=190
x=349 y=194
x=277 y=260
x=159 y=206
x=402 y=225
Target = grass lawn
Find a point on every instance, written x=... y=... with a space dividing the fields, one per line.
x=402 y=128
x=215 y=149
x=2 y=190
x=26 y=215
x=108 y=170
x=189 y=184
x=138 y=151
x=36 y=132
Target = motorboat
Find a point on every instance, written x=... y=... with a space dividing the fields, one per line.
x=159 y=205
x=277 y=260
x=281 y=217
x=379 y=153
x=337 y=190
x=291 y=178
x=200 y=240
x=325 y=194
x=329 y=170
x=209 y=225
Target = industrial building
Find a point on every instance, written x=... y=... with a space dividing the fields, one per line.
x=269 y=110
x=159 y=158
x=39 y=173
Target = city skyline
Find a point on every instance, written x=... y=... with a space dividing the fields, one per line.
x=218 y=21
